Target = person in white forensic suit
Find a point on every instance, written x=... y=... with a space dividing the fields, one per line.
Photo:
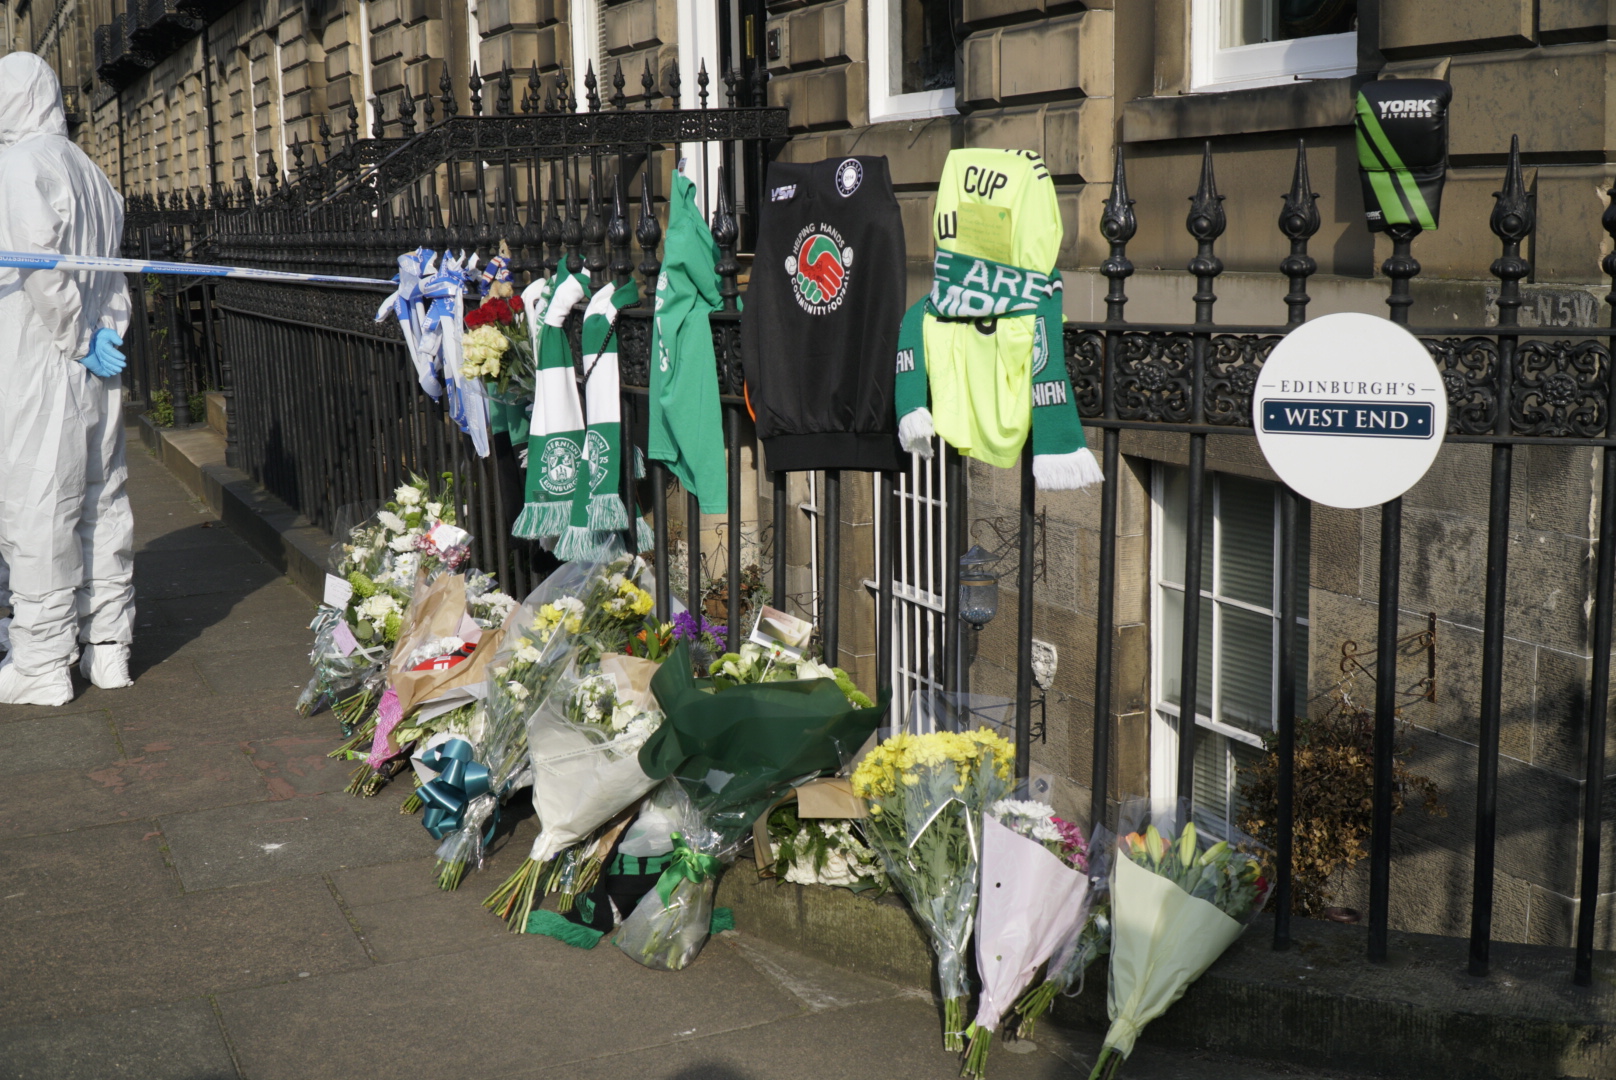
x=66 y=530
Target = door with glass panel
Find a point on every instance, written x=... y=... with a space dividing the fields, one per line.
x=1236 y=704
x=919 y=580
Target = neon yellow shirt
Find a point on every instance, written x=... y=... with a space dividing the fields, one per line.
x=998 y=204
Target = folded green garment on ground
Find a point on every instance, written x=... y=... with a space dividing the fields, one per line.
x=550 y=924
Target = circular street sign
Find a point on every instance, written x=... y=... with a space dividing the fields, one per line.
x=1349 y=410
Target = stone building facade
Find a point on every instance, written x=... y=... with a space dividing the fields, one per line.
x=1161 y=79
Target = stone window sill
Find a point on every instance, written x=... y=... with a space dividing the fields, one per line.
x=1286 y=107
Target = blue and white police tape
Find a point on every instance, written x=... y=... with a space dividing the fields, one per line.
x=20 y=260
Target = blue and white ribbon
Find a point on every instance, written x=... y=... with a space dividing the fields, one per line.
x=24 y=260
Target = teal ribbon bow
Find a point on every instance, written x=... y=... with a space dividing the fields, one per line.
x=688 y=865
x=461 y=779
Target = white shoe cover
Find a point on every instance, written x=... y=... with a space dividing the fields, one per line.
x=5 y=634
x=107 y=666
x=54 y=688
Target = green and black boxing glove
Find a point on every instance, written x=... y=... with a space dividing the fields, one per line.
x=1402 y=129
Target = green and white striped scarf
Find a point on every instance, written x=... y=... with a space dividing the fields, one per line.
x=555 y=442
x=598 y=515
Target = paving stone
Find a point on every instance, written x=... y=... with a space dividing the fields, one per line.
x=134 y=788
x=385 y=882
x=63 y=873
x=171 y=1042
x=279 y=670
x=58 y=742
x=429 y=923
x=271 y=608
x=296 y=765
x=163 y=573
x=270 y=841
x=227 y=718
x=171 y=949
x=896 y=1039
x=547 y=1002
x=155 y=684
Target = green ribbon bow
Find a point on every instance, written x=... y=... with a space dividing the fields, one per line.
x=688 y=865
x=460 y=779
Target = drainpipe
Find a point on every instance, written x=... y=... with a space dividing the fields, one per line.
x=207 y=88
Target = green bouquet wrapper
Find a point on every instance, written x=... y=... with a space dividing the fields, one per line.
x=733 y=752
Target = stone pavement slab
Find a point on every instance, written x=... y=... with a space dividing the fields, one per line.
x=50 y=875
x=168 y=1042
x=275 y=841
x=158 y=951
x=138 y=787
x=59 y=742
x=520 y=1003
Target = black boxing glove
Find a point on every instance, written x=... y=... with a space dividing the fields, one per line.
x=1402 y=129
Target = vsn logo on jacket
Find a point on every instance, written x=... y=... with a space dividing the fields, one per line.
x=819 y=269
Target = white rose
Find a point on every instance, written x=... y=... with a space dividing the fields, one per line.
x=406 y=496
x=434 y=509
x=378 y=607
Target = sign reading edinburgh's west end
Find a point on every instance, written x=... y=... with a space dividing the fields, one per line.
x=1350 y=410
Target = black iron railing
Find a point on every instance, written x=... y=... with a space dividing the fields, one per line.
x=324 y=410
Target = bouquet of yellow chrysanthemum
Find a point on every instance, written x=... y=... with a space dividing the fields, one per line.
x=926 y=795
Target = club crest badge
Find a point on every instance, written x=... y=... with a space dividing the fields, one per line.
x=560 y=464
x=849 y=175
x=820 y=267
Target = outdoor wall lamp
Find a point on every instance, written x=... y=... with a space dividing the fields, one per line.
x=978 y=587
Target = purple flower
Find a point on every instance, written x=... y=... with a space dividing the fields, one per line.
x=695 y=628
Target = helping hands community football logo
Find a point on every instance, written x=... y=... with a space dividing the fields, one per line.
x=819 y=269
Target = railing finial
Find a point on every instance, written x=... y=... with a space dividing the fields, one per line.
x=1117 y=225
x=1299 y=220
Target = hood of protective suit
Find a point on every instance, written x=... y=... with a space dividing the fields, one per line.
x=30 y=99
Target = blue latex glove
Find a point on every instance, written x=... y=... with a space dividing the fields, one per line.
x=105 y=360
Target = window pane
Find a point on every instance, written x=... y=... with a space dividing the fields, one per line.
x=1246 y=558
x=926 y=35
x=1247 y=670
x=1175 y=504
x=1210 y=807
x=1174 y=492
x=1170 y=642
x=1252 y=22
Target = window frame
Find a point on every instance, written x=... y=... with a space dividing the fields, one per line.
x=1215 y=69
x=1165 y=716
x=885 y=106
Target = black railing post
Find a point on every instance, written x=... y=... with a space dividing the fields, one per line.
x=831 y=587
x=178 y=368
x=1401 y=267
x=1206 y=223
x=1593 y=781
x=1027 y=537
x=724 y=234
x=1298 y=220
x=1117 y=225
x=1512 y=221
x=953 y=547
x=885 y=558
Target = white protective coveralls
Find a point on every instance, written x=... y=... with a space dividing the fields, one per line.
x=66 y=531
